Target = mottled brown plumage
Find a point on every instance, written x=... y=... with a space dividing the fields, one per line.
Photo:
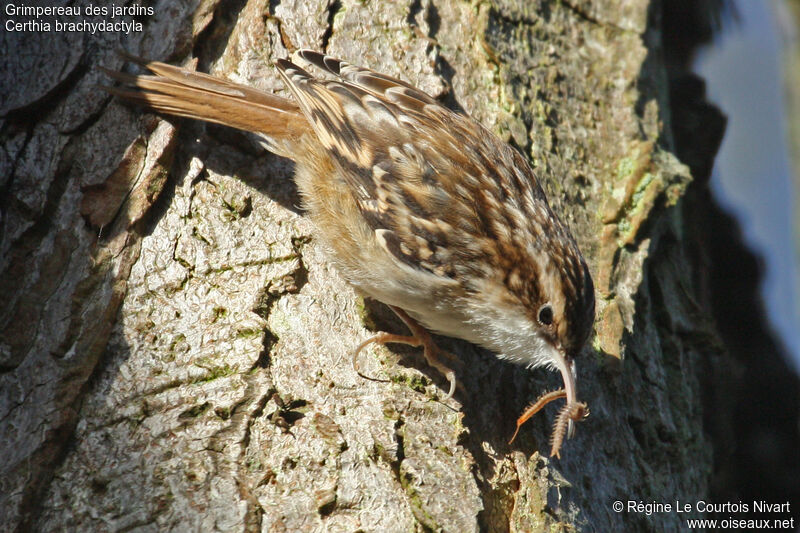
x=420 y=207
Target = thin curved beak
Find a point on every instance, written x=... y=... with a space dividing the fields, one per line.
x=567 y=367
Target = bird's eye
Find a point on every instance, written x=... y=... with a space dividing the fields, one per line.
x=546 y=315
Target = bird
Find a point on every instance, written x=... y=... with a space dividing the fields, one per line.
x=418 y=206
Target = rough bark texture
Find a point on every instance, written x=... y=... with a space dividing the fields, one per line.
x=175 y=349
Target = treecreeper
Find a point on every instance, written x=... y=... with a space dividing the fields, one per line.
x=418 y=206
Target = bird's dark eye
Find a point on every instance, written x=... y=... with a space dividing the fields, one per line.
x=546 y=315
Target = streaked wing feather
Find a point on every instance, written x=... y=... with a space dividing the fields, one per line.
x=412 y=165
x=323 y=104
x=369 y=80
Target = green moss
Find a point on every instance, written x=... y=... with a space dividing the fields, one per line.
x=417 y=504
x=253 y=464
x=361 y=307
x=390 y=413
x=236 y=205
x=597 y=346
x=195 y=411
x=624 y=226
x=172 y=289
x=156 y=183
x=414 y=382
x=625 y=167
x=378 y=451
x=197 y=235
x=641 y=187
x=223 y=413
x=219 y=312
x=674 y=194
x=248 y=333
x=214 y=371
x=178 y=340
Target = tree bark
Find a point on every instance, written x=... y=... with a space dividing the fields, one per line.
x=176 y=351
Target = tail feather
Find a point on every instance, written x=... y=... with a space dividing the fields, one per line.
x=181 y=92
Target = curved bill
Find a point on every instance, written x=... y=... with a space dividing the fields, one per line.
x=567 y=368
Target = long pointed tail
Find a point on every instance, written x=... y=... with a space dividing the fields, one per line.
x=181 y=92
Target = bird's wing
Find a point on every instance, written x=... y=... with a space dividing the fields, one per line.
x=417 y=170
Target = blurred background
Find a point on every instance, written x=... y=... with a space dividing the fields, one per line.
x=745 y=57
x=751 y=72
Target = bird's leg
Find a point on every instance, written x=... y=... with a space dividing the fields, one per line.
x=419 y=337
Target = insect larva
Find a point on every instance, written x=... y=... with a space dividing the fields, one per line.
x=571 y=411
x=537 y=406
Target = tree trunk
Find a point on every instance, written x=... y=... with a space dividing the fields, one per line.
x=176 y=351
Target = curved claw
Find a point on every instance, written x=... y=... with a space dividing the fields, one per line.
x=419 y=337
x=380 y=338
x=446 y=372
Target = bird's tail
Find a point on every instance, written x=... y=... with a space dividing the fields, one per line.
x=176 y=91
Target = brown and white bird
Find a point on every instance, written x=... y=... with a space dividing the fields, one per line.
x=420 y=208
